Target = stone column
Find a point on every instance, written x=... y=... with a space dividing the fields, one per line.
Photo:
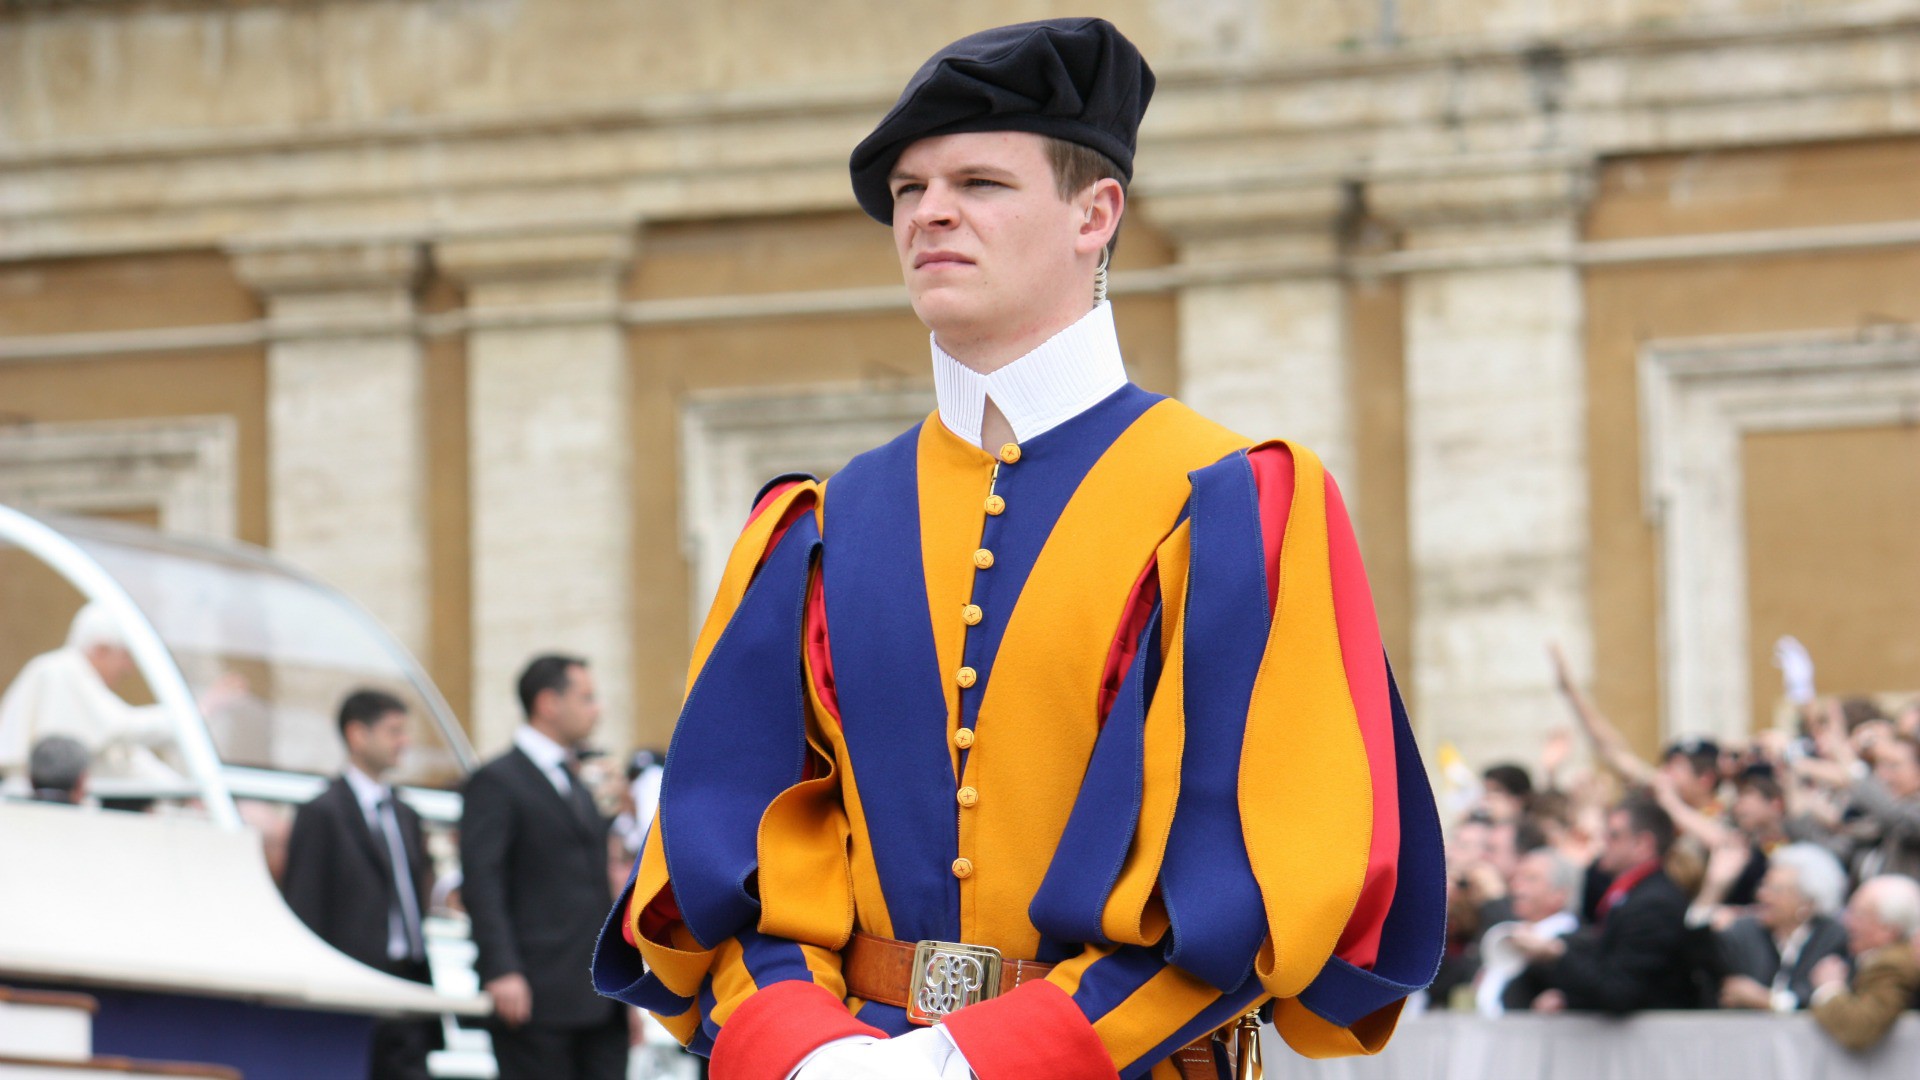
x=550 y=459
x=345 y=420
x=1498 y=489
x=1262 y=332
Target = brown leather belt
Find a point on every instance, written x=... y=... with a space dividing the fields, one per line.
x=882 y=969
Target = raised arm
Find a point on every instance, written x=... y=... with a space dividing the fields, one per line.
x=1609 y=745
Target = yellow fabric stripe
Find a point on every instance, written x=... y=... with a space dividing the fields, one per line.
x=870 y=903
x=1305 y=789
x=1152 y=1013
x=1310 y=1036
x=955 y=478
x=680 y=963
x=1037 y=723
x=732 y=982
x=1133 y=916
x=741 y=563
x=682 y=1027
x=806 y=885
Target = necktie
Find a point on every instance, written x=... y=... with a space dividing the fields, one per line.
x=580 y=799
x=404 y=911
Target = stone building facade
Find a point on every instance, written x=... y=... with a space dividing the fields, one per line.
x=495 y=312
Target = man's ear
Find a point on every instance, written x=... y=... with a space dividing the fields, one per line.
x=1101 y=204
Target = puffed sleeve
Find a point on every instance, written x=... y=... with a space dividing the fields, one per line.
x=730 y=926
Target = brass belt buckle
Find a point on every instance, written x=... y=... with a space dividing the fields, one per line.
x=950 y=975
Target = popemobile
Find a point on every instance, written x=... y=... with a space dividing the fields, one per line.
x=145 y=936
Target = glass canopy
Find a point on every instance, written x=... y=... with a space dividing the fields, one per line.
x=247 y=656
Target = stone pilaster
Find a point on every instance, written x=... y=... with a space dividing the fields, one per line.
x=550 y=463
x=1262 y=320
x=346 y=429
x=1497 y=450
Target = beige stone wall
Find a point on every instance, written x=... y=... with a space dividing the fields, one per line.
x=1439 y=239
x=1833 y=518
x=1704 y=194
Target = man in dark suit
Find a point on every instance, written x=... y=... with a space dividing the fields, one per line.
x=533 y=849
x=1638 y=958
x=358 y=874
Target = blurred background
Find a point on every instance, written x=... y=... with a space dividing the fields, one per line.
x=496 y=314
x=493 y=315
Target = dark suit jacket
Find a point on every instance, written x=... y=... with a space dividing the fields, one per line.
x=1747 y=948
x=1638 y=960
x=339 y=878
x=535 y=883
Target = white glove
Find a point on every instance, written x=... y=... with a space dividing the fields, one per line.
x=922 y=1054
x=1796 y=668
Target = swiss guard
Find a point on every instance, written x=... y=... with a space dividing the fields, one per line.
x=1054 y=738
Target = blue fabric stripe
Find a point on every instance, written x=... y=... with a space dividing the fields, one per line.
x=1109 y=981
x=773 y=959
x=1413 y=936
x=1037 y=489
x=740 y=742
x=893 y=703
x=1213 y=900
x=1233 y=1003
x=1093 y=847
x=887 y=1018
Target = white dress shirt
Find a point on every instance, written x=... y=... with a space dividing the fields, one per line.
x=549 y=755
x=1069 y=373
x=376 y=805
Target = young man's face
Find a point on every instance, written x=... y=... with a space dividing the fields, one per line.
x=986 y=243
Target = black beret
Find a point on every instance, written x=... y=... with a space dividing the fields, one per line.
x=1074 y=79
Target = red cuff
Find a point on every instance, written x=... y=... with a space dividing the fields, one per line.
x=772 y=1031
x=1036 y=1030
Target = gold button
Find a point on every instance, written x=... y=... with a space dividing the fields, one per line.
x=1010 y=453
x=967 y=796
x=965 y=677
x=983 y=558
x=963 y=868
x=963 y=738
x=971 y=614
x=996 y=506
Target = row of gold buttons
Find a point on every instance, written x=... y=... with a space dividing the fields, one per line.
x=971 y=614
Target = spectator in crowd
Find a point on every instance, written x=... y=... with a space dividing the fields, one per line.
x=1544 y=891
x=1770 y=955
x=1883 y=834
x=1882 y=920
x=533 y=847
x=357 y=871
x=57 y=769
x=1506 y=791
x=1635 y=959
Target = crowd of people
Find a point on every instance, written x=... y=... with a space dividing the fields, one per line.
x=1782 y=874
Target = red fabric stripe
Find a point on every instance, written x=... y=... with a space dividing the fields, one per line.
x=773 y=493
x=1364 y=659
x=819 y=652
x=656 y=917
x=1273 y=479
x=777 y=1026
x=1034 y=1031
x=1126 y=643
